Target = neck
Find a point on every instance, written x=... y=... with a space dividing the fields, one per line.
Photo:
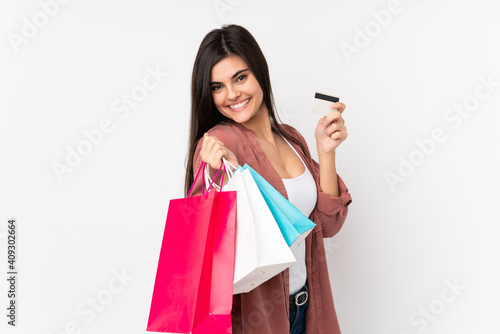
x=260 y=125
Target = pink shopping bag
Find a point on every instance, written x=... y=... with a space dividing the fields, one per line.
x=193 y=288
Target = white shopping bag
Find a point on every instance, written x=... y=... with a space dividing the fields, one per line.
x=294 y=225
x=261 y=250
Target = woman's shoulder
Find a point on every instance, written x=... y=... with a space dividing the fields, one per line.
x=233 y=135
x=226 y=131
x=223 y=127
x=292 y=132
x=290 y=129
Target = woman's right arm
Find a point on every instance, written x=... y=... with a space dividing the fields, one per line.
x=210 y=149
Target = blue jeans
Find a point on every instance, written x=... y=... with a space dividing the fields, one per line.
x=298 y=318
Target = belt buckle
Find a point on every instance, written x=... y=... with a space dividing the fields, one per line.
x=298 y=295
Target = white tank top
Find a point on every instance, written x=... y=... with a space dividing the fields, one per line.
x=303 y=194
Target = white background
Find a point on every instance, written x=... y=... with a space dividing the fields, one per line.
x=401 y=246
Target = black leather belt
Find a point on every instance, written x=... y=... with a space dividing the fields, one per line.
x=300 y=297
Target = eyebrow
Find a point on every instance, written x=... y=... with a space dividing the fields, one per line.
x=234 y=76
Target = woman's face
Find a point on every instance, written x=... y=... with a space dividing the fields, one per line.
x=235 y=90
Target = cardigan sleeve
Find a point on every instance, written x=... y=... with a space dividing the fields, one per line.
x=330 y=212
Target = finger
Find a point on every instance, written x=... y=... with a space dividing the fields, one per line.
x=340 y=106
x=208 y=138
x=217 y=159
x=215 y=147
x=334 y=119
x=334 y=127
x=205 y=145
x=216 y=154
x=340 y=134
x=322 y=121
x=209 y=142
x=323 y=124
x=208 y=151
x=340 y=121
x=333 y=116
x=337 y=135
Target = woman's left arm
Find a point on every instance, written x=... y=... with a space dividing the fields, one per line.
x=330 y=132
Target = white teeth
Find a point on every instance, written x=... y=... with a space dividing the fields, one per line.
x=239 y=105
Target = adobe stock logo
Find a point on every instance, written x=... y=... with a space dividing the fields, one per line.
x=31 y=27
x=223 y=6
x=426 y=315
x=364 y=36
x=426 y=147
x=122 y=107
x=90 y=308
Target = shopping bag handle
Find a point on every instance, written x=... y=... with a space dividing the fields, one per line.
x=227 y=168
x=203 y=164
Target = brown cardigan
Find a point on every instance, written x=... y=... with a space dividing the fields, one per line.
x=265 y=309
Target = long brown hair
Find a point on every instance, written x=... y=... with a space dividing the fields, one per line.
x=217 y=45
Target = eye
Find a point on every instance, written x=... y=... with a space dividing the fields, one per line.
x=241 y=77
x=216 y=87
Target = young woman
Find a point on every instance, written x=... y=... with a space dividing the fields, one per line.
x=233 y=116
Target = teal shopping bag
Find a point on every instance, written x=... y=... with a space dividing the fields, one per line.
x=294 y=225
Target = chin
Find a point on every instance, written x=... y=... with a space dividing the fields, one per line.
x=238 y=118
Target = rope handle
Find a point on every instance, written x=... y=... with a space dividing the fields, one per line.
x=227 y=167
x=203 y=164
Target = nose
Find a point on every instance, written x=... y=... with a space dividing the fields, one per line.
x=232 y=93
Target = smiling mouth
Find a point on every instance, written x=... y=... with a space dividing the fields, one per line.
x=239 y=105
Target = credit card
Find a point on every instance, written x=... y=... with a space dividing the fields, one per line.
x=322 y=102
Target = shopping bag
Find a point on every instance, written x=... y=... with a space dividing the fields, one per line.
x=261 y=250
x=193 y=286
x=213 y=311
x=294 y=225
